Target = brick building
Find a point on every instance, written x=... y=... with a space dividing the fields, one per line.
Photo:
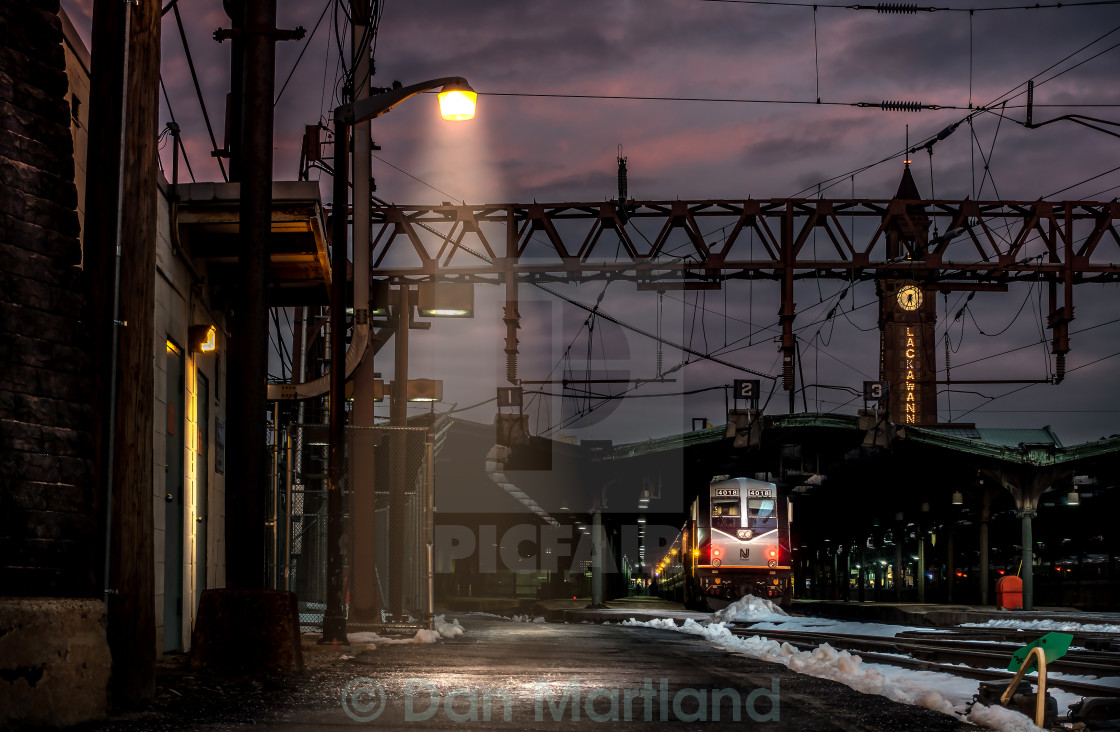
x=54 y=659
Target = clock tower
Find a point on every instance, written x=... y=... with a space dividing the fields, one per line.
x=908 y=316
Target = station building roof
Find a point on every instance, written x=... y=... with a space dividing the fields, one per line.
x=1035 y=446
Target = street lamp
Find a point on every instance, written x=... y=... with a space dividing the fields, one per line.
x=457 y=102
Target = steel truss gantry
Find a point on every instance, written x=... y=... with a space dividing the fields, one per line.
x=686 y=245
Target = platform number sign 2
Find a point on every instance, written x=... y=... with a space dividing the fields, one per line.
x=748 y=390
x=875 y=391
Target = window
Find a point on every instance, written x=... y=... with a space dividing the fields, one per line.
x=762 y=514
x=725 y=507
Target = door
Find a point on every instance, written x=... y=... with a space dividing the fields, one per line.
x=202 y=486
x=173 y=505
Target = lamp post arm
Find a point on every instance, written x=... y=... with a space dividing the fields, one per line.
x=373 y=107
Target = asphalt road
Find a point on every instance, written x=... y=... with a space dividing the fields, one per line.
x=528 y=676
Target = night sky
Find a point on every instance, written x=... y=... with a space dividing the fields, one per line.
x=772 y=140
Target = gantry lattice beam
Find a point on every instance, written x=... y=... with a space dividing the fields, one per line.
x=677 y=245
x=697 y=244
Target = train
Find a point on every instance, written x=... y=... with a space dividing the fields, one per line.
x=735 y=542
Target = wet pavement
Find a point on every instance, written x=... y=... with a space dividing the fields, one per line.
x=526 y=676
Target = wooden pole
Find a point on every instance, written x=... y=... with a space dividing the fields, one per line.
x=121 y=208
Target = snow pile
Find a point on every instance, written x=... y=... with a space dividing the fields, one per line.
x=1047 y=624
x=933 y=690
x=527 y=619
x=425 y=636
x=442 y=629
x=446 y=629
x=749 y=609
x=1001 y=718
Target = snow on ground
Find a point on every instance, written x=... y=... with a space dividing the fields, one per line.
x=1046 y=624
x=851 y=627
x=763 y=614
x=441 y=629
x=934 y=690
x=1001 y=718
x=527 y=619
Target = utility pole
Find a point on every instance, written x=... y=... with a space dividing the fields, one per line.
x=363 y=511
x=247 y=485
x=120 y=248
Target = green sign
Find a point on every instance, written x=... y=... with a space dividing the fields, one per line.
x=1053 y=645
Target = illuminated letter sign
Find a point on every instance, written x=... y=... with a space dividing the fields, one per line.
x=911 y=347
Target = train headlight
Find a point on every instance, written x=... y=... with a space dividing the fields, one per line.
x=772 y=563
x=744 y=534
x=715 y=562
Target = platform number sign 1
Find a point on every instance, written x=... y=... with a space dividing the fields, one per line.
x=748 y=389
x=876 y=391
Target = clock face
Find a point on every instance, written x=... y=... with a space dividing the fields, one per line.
x=910 y=297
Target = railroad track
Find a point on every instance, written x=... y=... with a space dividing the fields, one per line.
x=968 y=656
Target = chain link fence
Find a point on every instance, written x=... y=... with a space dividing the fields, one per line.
x=387 y=525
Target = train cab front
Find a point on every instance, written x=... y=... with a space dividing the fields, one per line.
x=745 y=543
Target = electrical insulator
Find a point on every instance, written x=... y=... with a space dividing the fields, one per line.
x=1061 y=370
x=898 y=8
x=901 y=106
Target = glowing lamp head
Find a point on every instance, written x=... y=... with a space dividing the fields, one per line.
x=457 y=101
x=203 y=338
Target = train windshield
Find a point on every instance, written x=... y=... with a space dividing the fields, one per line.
x=762 y=514
x=727 y=514
x=725 y=507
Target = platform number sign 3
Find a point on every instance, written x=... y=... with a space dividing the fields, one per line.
x=748 y=390
x=875 y=391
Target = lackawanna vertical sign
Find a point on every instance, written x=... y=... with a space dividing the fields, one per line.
x=907 y=352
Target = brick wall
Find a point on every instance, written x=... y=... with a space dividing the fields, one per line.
x=48 y=510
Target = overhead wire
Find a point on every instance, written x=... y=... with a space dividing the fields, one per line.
x=1006 y=96
x=306 y=45
x=991 y=399
x=197 y=88
x=912 y=8
x=179 y=139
